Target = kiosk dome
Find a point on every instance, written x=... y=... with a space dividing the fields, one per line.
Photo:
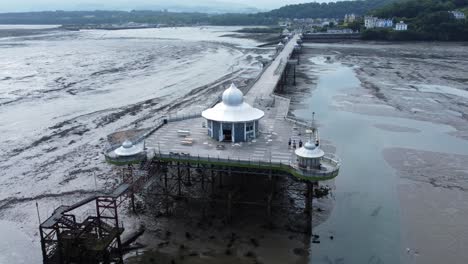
x=128 y=149
x=233 y=119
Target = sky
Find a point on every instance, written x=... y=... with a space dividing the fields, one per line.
x=40 y=5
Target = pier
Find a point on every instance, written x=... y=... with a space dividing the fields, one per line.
x=270 y=150
x=200 y=161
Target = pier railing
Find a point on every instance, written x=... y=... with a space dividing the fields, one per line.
x=329 y=171
x=181 y=117
x=138 y=138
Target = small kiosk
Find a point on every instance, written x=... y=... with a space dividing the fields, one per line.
x=233 y=120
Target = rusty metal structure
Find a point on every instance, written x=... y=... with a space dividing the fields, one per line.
x=97 y=238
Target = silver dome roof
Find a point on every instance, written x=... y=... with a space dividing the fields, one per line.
x=310 y=150
x=233 y=96
x=128 y=149
x=233 y=108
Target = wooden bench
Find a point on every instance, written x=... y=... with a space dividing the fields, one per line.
x=183 y=133
x=187 y=141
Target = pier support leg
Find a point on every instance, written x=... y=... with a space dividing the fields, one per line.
x=166 y=192
x=189 y=180
x=270 y=200
x=179 y=180
x=212 y=180
x=220 y=179
x=269 y=214
x=308 y=207
x=294 y=75
x=203 y=180
x=132 y=199
x=229 y=207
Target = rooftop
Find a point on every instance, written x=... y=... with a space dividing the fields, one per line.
x=232 y=108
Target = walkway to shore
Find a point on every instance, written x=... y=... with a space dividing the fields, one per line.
x=265 y=86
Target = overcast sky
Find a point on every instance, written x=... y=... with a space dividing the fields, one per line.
x=35 y=5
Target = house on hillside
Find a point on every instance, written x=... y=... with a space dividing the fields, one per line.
x=375 y=22
x=384 y=23
x=370 y=21
x=457 y=14
x=349 y=18
x=284 y=23
x=402 y=26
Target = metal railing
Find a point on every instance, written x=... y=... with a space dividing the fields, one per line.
x=298 y=121
x=288 y=166
x=177 y=117
x=138 y=138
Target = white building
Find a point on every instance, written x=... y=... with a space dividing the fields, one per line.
x=128 y=149
x=309 y=155
x=370 y=22
x=233 y=119
x=384 y=23
x=457 y=14
x=375 y=22
x=349 y=18
x=402 y=26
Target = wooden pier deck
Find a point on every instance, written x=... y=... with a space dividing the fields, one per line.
x=266 y=84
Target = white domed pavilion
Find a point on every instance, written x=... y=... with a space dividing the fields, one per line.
x=233 y=119
x=128 y=149
x=309 y=155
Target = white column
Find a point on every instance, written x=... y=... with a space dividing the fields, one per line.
x=221 y=136
x=211 y=125
x=233 y=133
x=245 y=131
x=254 y=130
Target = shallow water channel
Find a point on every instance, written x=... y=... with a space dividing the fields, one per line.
x=365 y=221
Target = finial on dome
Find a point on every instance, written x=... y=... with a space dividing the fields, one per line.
x=233 y=96
x=127 y=144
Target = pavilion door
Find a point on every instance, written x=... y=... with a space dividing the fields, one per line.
x=227 y=134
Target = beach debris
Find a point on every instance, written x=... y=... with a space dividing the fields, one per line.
x=315 y=239
x=163 y=244
x=412 y=252
x=254 y=242
x=300 y=252
x=250 y=254
x=321 y=192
